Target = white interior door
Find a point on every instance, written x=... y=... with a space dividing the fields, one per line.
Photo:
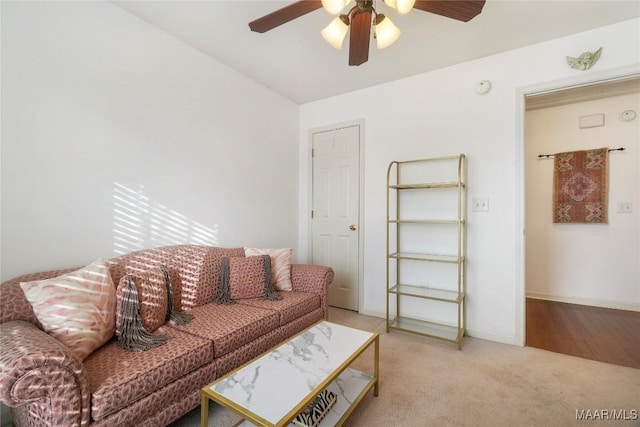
x=335 y=212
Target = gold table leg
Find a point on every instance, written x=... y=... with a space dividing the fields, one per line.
x=376 y=365
x=204 y=411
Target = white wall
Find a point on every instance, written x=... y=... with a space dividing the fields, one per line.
x=117 y=136
x=438 y=113
x=594 y=264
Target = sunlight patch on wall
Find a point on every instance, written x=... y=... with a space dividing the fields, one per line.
x=140 y=222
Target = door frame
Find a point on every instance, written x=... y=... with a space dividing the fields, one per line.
x=361 y=228
x=522 y=92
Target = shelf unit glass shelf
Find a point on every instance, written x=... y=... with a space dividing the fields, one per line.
x=441 y=331
x=452 y=259
x=424 y=221
x=427 y=293
x=419 y=186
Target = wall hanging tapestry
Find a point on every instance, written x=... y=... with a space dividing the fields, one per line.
x=580 y=186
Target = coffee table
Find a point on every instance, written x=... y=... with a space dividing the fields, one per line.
x=275 y=387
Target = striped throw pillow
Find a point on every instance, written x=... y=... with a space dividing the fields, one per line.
x=280 y=266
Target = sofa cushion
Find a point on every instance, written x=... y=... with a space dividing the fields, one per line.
x=165 y=405
x=280 y=265
x=292 y=305
x=229 y=326
x=118 y=378
x=194 y=269
x=77 y=308
x=240 y=356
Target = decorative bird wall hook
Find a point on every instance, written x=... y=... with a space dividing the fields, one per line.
x=585 y=60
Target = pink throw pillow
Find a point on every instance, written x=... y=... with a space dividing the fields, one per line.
x=247 y=277
x=280 y=266
x=77 y=308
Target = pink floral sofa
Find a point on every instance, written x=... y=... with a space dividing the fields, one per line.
x=45 y=384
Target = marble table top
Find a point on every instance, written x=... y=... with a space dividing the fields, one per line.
x=274 y=384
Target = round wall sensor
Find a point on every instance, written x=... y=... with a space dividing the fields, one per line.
x=628 y=115
x=483 y=87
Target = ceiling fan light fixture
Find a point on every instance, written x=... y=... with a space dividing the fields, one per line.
x=401 y=6
x=335 y=32
x=334 y=7
x=386 y=32
x=405 y=6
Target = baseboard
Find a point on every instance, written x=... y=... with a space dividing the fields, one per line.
x=381 y=315
x=596 y=302
x=492 y=336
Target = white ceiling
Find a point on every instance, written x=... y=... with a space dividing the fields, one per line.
x=295 y=61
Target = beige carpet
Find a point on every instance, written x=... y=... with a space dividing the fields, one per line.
x=425 y=382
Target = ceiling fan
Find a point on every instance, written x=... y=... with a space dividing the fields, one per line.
x=361 y=17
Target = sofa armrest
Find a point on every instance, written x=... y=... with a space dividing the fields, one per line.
x=314 y=279
x=41 y=378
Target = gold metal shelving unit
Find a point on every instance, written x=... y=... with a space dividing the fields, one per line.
x=453 y=292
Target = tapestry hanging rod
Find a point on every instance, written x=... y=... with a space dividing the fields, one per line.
x=546 y=156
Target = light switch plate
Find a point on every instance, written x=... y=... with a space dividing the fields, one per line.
x=625 y=207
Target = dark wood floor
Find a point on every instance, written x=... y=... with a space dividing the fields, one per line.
x=596 y=333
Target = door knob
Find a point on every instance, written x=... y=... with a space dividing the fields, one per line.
x=352 y=227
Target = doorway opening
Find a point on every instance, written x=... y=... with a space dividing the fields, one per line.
x=581 y=280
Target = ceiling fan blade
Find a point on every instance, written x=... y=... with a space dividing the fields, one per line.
x=360 y=34
x=462 y=10
x=284 y=15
